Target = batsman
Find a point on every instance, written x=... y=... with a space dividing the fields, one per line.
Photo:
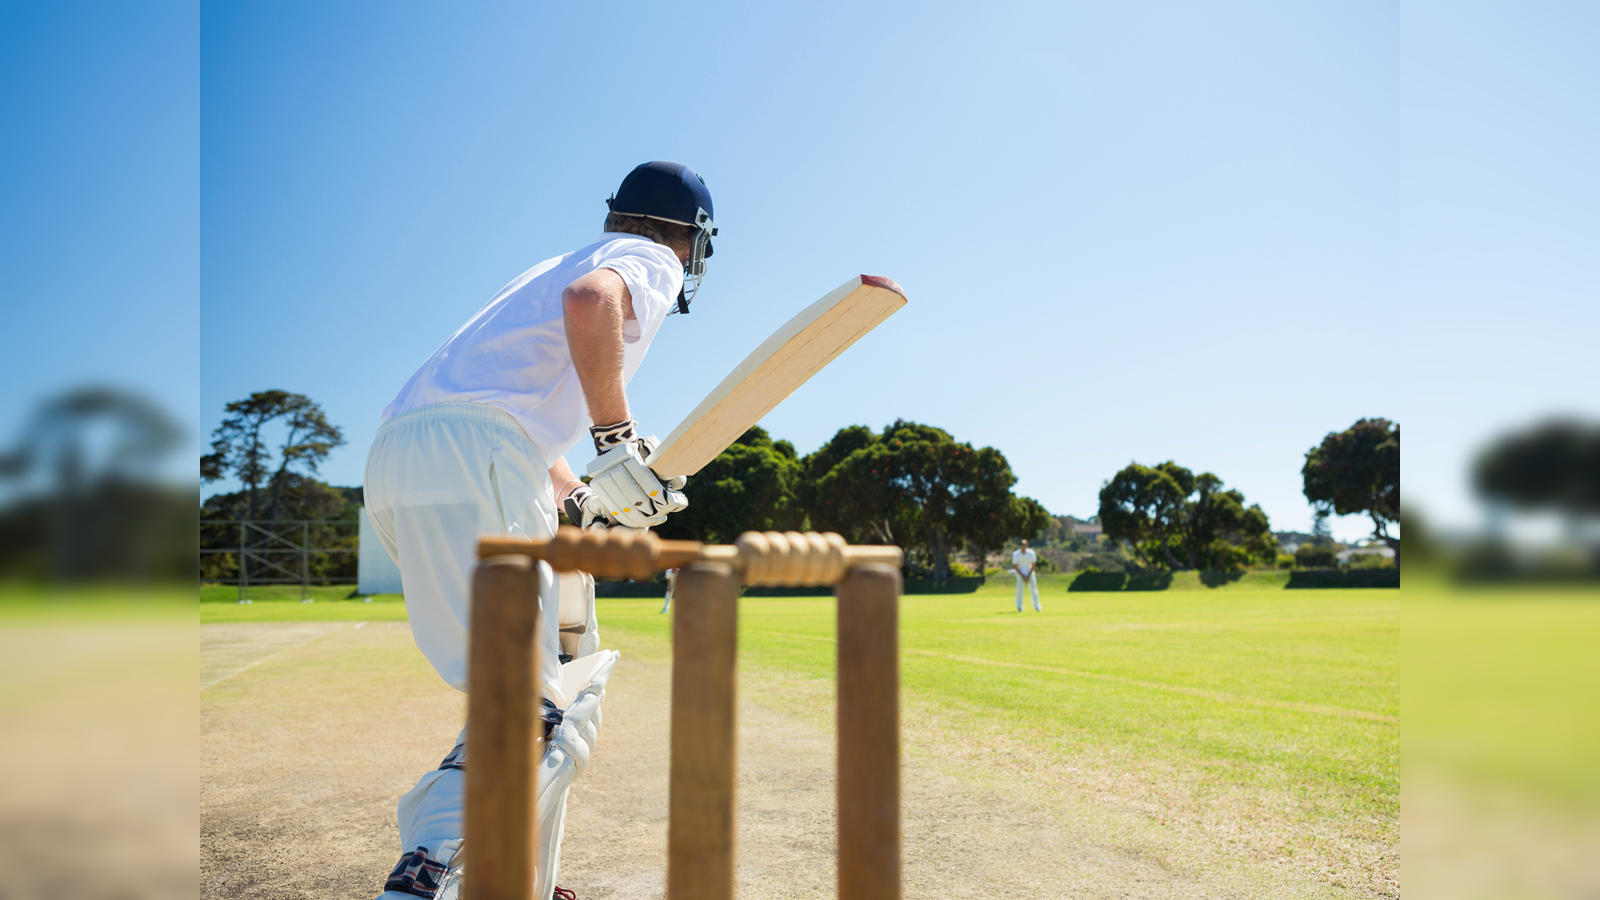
x=474 y=444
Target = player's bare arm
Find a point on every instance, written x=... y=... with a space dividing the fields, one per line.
x=564 y=480
x=622 y=488
x=594 y=308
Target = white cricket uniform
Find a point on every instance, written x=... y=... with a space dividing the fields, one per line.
x=672 y=580
x=1025 y=561
x=464 y=450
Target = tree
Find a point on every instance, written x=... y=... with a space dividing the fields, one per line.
x=101 y=506
x=1220 y=533
x=815 y=465
x=912 y=474
x=912 y=485
x=988 y=523
x=1358 y=471
x=1321 y=531
x=57 y=439
x=844 y=490
x=1551 y=466
x=1316 y=556
x=332 y=514
x=985 y=514
x=749 y=487
x=238 y=447
x=1144 y=507
x=1171 y=517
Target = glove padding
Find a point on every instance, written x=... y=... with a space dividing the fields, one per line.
x=647 y=448
x=607 y=436
x=585 y=509
x=629 y=492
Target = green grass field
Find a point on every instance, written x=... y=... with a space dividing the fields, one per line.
x=281 y=603
x=1501 y=687
x=1242 y=703
x=1260 y=720
x=1253 y=702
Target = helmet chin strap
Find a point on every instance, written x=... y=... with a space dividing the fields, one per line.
x=683 y=303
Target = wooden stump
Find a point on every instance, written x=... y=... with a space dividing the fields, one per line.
x=504 y=730
x=704 y=728
x=869 y=733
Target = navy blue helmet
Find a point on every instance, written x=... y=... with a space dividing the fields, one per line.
x=672 y=193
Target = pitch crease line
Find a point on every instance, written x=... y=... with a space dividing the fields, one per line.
x=251 y=665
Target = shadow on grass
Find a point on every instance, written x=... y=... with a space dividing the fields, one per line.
x=1149 y=580
x=1343 y=578
x=1218 y=579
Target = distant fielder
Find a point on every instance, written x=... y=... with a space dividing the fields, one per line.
x=672 y=580
x=473 y=444
x=1024 y=562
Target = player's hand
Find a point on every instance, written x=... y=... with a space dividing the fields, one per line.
x=585 y=509
x=647 y=446
x=630 y=492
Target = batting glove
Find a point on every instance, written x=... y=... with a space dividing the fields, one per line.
x=585 y=509
x=630 y=493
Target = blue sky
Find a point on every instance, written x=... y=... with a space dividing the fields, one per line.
x=99 y=238
x=1128 y=232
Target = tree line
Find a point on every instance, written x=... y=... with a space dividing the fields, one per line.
x=84 y=491
x=909 y=484
x=1169 y=517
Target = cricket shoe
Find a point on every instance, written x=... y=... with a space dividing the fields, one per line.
x=450 y=887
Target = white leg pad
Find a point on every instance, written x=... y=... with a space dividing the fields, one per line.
x=565 y=755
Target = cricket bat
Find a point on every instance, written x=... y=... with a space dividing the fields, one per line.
x=783 y=362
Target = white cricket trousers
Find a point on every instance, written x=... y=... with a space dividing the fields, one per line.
x=437 y=477
x=1032 y=581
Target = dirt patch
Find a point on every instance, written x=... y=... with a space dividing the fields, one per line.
x=231 y=650
x=304 y=754
x=101 y=797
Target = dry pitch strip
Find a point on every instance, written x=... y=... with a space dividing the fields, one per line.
x=505 y=731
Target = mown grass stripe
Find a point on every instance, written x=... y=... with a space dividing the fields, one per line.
x=1218 y=696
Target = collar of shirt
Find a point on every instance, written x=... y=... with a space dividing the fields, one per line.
x=627 y=235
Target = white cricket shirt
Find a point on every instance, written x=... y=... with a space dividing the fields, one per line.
x=1024 y=560
x=513 y=354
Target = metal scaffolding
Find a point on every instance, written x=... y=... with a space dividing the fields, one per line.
x=278 y=550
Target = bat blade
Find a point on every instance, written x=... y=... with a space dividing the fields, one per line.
x=795 y=352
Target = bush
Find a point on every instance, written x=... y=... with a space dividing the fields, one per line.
x=1131 y=580
x=1316 y=556
x=1095 y=580
x=1369 y=561
x=1222 y=556
x=1058 y=559
x=1102 y=561
x=1285 y=561
x=961 y=570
